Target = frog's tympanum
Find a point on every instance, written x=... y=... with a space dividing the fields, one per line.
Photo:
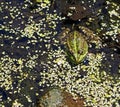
x=75 y=45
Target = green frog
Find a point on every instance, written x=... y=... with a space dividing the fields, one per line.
x=77 y=47
x=76 y=43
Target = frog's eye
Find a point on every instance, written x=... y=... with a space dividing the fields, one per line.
x=80 y=52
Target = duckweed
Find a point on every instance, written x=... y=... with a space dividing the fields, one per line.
x=33 y=58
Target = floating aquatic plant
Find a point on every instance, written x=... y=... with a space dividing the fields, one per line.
x=23 y=72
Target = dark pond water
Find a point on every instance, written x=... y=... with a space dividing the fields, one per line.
x=21 y=24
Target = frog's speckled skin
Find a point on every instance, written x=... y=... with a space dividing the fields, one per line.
x=76 y=46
